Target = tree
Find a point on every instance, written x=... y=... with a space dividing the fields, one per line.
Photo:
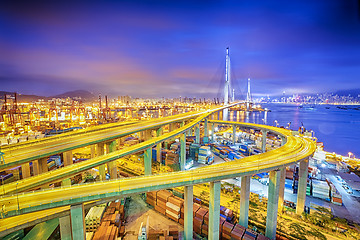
x=298 y=231
x=316 y=234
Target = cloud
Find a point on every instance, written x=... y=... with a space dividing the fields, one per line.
x=176 y=48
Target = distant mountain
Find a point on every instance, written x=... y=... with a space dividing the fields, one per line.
x=29 y=98
x=84 y=95
x=21 y=97
x=351 y=92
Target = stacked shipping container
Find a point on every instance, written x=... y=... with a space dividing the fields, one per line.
x=111 y=226
x=93 y=218
x=173 y=207
x=320 y=189
x=334 y=193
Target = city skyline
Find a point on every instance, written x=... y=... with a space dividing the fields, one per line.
x=178 y=49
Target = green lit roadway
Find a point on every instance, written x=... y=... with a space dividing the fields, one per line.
x=71 y=170
x=295 y=149
x=21 y=153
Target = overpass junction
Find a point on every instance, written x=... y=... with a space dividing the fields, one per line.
x=21 y=207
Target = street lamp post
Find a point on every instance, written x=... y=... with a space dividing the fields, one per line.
x=276 y=123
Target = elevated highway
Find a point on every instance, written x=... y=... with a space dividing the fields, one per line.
x=296 y=149
x=21 y=153
x=68 y=171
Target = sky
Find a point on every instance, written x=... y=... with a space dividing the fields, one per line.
x=177 y=48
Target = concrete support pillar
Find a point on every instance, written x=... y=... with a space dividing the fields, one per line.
x=25 y=169
x=234 y=134
x=206 y=131
x=189 y=131
x=212 y=132
x=214 y=210
x=159 y=132
x=188 y=212
x=102 y=172
x=43 y=167
x=301 y=195
x=197 y=134
x=100 y=151
x=112 y=167
x=141 y=135
x=65 y=228
x=158 y=153
x=272 y=207
x=244 y=201
x=263 y=140
x=107 y=147
x=148 y=134
x=147 y=161
x=171 y=127
x=182 y=151
x=225 y=114
x=77 y=221
x=282 y=188
x=92 y=150
x=36 y=169
x=67 y=158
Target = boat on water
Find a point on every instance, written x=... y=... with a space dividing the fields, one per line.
x=307 y=107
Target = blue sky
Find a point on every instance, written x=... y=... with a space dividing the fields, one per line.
x=170 y=49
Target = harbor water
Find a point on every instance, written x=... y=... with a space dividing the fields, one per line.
x=338 y=127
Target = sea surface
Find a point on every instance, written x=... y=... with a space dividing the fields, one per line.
x=338 y=129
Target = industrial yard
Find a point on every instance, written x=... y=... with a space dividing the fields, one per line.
x=331 y=204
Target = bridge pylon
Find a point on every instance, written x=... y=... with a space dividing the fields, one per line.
x=227 y=85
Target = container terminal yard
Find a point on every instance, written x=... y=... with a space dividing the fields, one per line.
x=117 y=179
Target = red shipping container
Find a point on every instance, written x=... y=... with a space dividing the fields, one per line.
x=262 y=237
x=175 y=201
x=222 y=220
x=238 y=227
x=197 y=221
x=237 y=232
x=195 y=208
x=226 y=236
x=160 y=209
x=201 y=213
x=227 y=228
x=197 y=229
x=206 y=218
